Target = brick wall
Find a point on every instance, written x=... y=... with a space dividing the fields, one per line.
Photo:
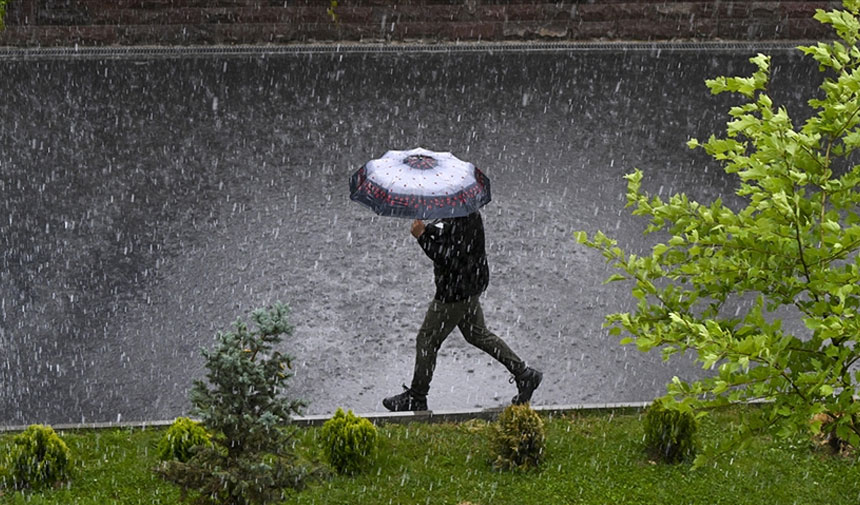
x=172 y=22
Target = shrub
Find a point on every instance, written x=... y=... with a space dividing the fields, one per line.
x=349 y=442
x=251 y=459
x=669 y=434
x=179 y=440
x=518 y=439
x=38 y=457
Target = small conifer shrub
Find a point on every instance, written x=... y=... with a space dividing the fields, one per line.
x=518 y=439
x=669 y=434
x=243 y=404
x=179 y=440
x=349 y=442
x=38 y=457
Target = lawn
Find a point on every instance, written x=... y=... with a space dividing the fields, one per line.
x=593 y=458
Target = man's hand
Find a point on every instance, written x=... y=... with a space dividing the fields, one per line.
x=417 y=228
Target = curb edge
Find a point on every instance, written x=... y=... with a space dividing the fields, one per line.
x=428 y=416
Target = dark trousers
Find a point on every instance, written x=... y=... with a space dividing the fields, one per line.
x=440 y=321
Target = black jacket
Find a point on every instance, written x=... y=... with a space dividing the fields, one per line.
x=456 y=246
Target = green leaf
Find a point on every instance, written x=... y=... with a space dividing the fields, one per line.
x=659 y=250
x=676 y=241
x=615 y=277
x=831 y=226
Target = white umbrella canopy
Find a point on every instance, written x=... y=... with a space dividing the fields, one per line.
x=420 y=184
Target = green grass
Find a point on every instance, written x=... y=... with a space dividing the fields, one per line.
x=591 y=459
x=111 y=466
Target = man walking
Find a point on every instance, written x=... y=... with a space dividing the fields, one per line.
x=456 y=246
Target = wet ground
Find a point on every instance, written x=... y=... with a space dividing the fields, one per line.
x=149 y=202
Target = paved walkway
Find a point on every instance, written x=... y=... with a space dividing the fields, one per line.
x=148 y=200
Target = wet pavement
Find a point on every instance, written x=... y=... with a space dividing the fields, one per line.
x=149 y=202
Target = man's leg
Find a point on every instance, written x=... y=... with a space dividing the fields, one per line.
x=439 y=322
x=476 y=333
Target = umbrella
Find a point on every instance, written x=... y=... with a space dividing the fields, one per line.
x=420 y=184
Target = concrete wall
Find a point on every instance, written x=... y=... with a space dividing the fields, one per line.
x=180 y=22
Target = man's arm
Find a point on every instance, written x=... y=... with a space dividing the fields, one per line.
x=434 y=240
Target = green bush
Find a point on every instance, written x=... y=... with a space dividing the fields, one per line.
x=38 y=457
x=669 y=434
x=349 y=442
x=242 y=403
x=179 y=440
x=518 y=439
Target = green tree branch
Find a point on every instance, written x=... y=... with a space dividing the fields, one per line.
x=768 y=248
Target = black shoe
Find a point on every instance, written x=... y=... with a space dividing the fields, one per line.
x=406 y=401
x=527 y=382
